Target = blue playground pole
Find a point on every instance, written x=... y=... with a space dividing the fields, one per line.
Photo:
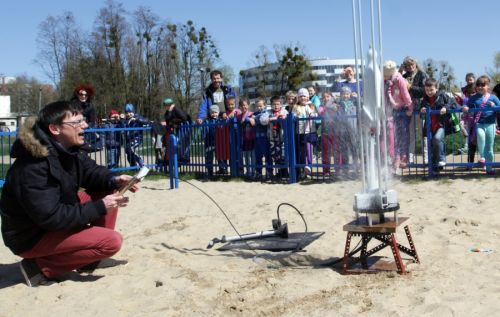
x=172 y=162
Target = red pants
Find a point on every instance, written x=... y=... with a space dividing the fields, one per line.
x=330 y=145
x=63 y=251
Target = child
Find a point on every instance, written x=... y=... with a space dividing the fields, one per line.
x=468 y=124
x=462 y=100
x=113 y=139
x=313 y=97
x=347 y=133
x=134 y=138
x=399 y=100
x=210 y=138
x=329 y=143
x=247 y=138
x=484 y=121
x=261 y=139
x=306 y=129
x=291 y=100
x=223 y=140
x=231 y=110
x=275 y=133
x=159 y=130
x=440 y=124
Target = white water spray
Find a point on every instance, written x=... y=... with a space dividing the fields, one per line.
x=375 y=198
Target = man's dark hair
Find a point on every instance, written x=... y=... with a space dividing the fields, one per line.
x=54 y=113
x=468 y=75
x=429 y=82
x=216 y=72
x=274 y=98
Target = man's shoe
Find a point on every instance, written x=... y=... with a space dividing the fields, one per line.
x=102 y=264
x=32 y=274
x=442 y=163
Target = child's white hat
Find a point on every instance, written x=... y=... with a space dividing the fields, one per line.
x=214 y=108
x=303 y=92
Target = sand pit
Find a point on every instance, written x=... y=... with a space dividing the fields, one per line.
x=171 y=273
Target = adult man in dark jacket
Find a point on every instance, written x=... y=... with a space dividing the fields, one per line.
x=215 y=94
x=174 y=118
x=45 y=220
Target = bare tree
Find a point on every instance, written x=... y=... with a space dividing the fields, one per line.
x=192 y=50
x=110 y=34
x=144 y=69
x=288 y=70
x=28 y=94
x=441 y=71
x=495 y=73
x=294 y=68
x=58 y=43
x=139 y=62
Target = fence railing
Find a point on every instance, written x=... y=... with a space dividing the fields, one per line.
x=284 y=150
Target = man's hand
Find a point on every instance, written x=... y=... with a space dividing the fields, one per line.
x=115 y=200
x=199 y=121
x=465 y=109
x=122 y=180
x=442 y=111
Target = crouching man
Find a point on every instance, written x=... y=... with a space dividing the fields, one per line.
x=45 y=219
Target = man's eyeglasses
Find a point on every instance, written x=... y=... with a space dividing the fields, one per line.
x=76 y=123
x=83 y=95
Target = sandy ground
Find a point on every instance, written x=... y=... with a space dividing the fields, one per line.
x=171 y=273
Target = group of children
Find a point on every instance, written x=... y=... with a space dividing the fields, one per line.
x=328 y=127
x=131 y=140
x=330 y=124
x=261 y=137
x=479 y=127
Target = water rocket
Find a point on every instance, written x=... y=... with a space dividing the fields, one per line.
x=375 y=198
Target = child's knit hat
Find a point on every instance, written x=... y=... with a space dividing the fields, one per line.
x=214 y=108
x=303 y=92
x=113 y=112
x=129 y=107
x=345 y=89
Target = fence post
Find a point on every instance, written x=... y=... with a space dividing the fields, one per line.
x=291 y=148
x=234 y=145
x=172 y=162
x=428 y=126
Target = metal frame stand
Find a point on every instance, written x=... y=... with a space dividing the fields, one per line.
x=384 y=233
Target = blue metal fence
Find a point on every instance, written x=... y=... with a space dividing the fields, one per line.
x=277 y=152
